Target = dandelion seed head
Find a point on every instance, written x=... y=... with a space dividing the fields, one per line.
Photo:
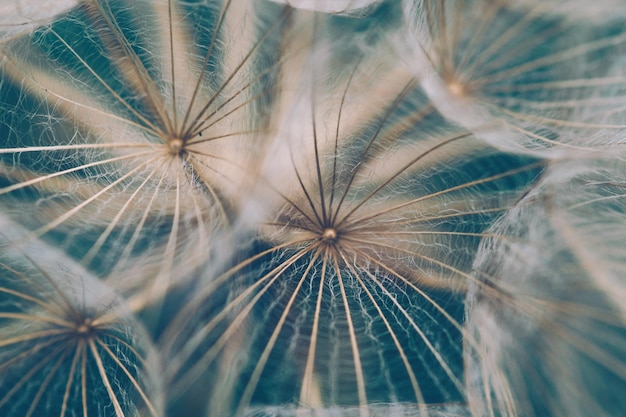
x=547 y=297
x=145 y=123
x=531 y=76
x=68 y=344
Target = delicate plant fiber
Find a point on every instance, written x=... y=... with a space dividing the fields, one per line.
x=312 y=208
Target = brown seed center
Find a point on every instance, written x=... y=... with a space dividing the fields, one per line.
x=176 y=146
x=85 y=327
x=329 y=234
x=456 y=88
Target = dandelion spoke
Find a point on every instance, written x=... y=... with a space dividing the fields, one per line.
x=208 y=123
x=70 y=379
x=554 y=58
x=558 y=122
x=561 y=84
x=207 y=56
x=128 y=346
x=37 y=180
x=398 y=173
x=194 y=154
x=148 y=208
x=93 y=109
x=45 y=383
x=306 y=392
x=204 y=234
x=105 y=379
x=486 y=375
x=216 y=283
x=61 y=219
x=173 y=61
x=53 y=148
x=399 y=127
x=485 y=59
x=438 y=193
x=42 y=84
x=428 y=259
x=504 y=58
x=466 y=335
x=444 y=49
x=378 y=232
x=430 y=21
x=35 y=317
x=295 y=206
x=414 y=383
x=114 y=93
x=162 y=281
x=30 y=336
x=197 y=122
x=69 y=307
x=83 y=373
x=256 y=374
x=575 y=103
x=137 y=73
x=596 y=200
x=453 y=45
x=212 y=138
x=28 y=375
x=458 y=384
x=318 y=168
x=320 y=221
x=596 y=270
x=477 y=35
x=356 y=355
x=336 y=150
x=548 y=140
x=130 y=377
x=394 y=105
x=208 y=357
x=95 y=249
x=40 y=345
x=366 y=229
x=486 y=390
x=48 y=307
x=207 y=184
x=291 y=226
x=499 y=290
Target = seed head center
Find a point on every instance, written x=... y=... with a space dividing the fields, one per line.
x=456 y=88
x=176 y=146
x=85 y=327
x=329 y=234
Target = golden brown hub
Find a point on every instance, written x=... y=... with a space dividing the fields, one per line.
x=329 y=234
x=176 y=146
